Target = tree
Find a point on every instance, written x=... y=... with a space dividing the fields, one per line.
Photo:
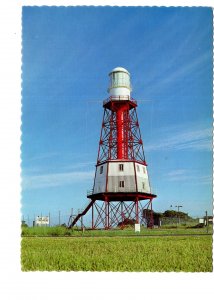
x=175 y=214
x=126 y=222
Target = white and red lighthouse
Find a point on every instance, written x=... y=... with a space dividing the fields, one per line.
x=121 y=190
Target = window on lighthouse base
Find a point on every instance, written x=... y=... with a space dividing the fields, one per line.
x=121 y=184
x=121 y=167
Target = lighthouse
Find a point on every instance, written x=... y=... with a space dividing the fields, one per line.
x=121 y=191
x=121 y=165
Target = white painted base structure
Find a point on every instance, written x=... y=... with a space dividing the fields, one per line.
x=121 y=176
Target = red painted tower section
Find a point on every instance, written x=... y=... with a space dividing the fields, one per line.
x=122 y=142
x=121 y=192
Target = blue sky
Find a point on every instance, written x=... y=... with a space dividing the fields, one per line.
x=67 y=55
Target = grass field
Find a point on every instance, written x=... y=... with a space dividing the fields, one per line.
x=154 y=254
x=62 y=231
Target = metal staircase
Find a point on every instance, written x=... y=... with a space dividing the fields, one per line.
x=71 y=222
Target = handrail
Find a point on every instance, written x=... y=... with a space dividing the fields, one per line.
x=81 y=213
x=90 y=192
x=119 y=98
x=122 y=190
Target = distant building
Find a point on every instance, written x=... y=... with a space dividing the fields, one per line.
x=41 y=221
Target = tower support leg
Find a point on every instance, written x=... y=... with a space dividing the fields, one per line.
x=151 y=216
x=109 y=225
x=92 y=216
x=106 y=213
x=122 y=214
x=137 y=210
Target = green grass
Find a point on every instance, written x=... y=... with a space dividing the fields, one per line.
x=62 y=231
x=188 y=254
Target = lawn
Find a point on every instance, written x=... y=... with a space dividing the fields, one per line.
x=154 y=254
x=63 y=231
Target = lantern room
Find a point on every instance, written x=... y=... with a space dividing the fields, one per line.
x=119 y=84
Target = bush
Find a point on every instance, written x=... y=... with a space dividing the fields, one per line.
x=126 y=222
x=200 y=225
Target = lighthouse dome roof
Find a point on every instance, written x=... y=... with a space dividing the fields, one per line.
x=119 y=69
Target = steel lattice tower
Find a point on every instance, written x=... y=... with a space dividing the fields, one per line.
x=121 y=189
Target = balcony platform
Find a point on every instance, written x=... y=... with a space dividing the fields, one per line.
x=120 y=196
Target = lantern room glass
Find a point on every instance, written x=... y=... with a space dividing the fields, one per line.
x=119 y=79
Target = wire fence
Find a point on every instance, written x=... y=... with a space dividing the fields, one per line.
x=178 y=221
x=61 y=218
